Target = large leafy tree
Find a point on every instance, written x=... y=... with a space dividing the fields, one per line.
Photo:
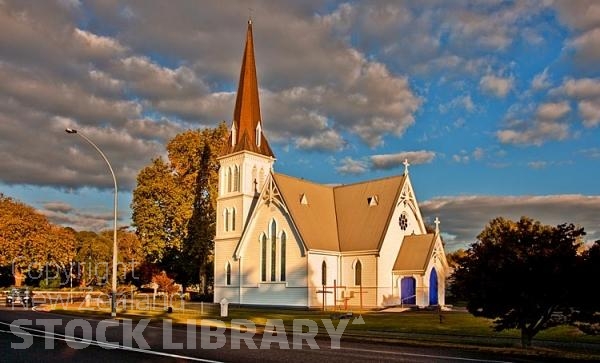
x=519 y=273
x=169 y=198
x=586 y=310
x=94 y=256
x=28 y=242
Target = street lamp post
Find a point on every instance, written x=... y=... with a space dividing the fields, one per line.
x=114 y=261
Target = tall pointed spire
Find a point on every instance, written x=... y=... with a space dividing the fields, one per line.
x=246 y=131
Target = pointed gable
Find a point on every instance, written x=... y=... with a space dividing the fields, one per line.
x=415 y=253
x=364 y=211
x=247 y=121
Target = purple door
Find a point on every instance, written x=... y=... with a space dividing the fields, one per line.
x=433 y=288
x=407 y=290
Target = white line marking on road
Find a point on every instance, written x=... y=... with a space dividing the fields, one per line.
x=107 y=345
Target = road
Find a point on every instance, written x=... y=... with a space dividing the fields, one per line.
x=27 y=335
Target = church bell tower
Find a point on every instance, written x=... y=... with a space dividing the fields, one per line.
x=246 y=162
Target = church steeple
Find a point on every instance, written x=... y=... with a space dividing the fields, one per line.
x=246 y=130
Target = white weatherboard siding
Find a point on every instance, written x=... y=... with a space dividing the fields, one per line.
x=362 y=224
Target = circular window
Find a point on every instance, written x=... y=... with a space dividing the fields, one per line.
x=403 y=222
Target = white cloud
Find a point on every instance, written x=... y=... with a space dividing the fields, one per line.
x=583 y=19
x=590 y=111
x=328 y=140
x=390 y=161
x=461 y=101
x=580 y=88
x=541 y=81
x=535 y=133
x=553 y=111
x=587 y=92
x=351 y=166
x=537 y=164
x=495 y=85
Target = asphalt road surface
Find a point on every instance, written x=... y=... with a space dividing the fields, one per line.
x=27 y=335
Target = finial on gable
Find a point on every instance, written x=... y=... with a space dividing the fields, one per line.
x=437 y=225
x=406 y=165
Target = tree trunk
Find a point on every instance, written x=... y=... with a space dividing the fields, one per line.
x=526 y=337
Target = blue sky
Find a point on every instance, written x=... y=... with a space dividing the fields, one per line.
x=496 y=104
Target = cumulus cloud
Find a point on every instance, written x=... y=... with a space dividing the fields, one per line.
x=583 y=17
x=325 y=141
x=535 y=133
x=540 y=81
x=553 y=111
x=464 y=217
x=390 y=161
x=586 y=92
x=351 y=166
x=547 y=123
x=495 y=85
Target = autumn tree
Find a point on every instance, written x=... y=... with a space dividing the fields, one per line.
x=519 y=274
x=166 y=199
x=94 y=255
x=165 y=284
x=28 y=242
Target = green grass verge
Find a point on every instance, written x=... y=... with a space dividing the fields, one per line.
x=459 y=328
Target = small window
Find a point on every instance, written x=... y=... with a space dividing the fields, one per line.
x=226 y=220
x=263 y=262
x=228 y=274
x=324 y=273
x=236 y=179
x=403 y=222
x=233 y=219
x=303 y=199
x=358 y=273
x=258 y=135
x=282 y=272
x=229 y=180
x=373 y=200
x=233 y=135
x=273 y=251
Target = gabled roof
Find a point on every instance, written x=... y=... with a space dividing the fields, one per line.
x=361 y=223
x=415 y=253
x=341 y=218
x=246 y=115
x=315 y=219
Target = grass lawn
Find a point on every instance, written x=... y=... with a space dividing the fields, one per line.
x=456 y=327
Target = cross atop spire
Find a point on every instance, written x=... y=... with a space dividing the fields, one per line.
x=437 y=225
x=247 y=123
x=406 y=165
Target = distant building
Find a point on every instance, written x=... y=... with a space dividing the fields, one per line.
x=285 y=241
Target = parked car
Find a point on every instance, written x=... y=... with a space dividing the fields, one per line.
x=18 y=296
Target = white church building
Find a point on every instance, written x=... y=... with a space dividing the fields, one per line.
x=286 y=241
